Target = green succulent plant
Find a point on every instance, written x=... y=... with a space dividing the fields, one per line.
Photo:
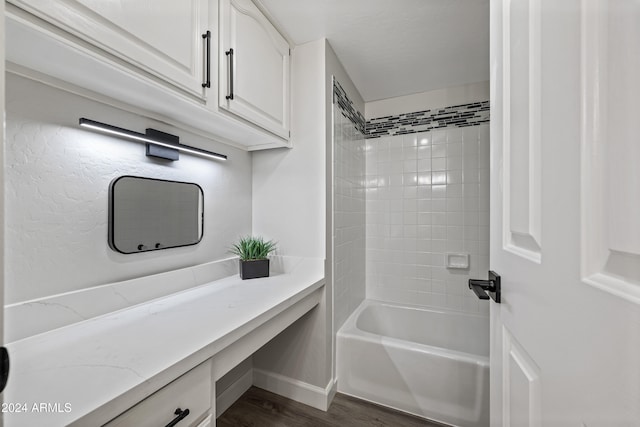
x=251 y=248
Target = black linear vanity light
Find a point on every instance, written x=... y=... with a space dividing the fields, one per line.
x=154 y=140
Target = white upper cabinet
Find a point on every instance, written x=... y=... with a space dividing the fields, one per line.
x=254 y=67
x=155 y=56
x=161 y=37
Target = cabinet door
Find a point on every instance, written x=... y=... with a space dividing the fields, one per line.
x=254 y=78
x=161 y=37
x=208 y=422
x=192 y=391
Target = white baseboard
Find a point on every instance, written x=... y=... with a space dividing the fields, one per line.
x=233 y=392
x=293 y=389
x=332 y=392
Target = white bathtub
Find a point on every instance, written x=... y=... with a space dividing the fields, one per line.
x=430 y=363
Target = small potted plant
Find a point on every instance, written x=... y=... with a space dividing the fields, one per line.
x=253 y=252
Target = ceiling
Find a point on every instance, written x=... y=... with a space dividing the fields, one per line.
x=395 y=47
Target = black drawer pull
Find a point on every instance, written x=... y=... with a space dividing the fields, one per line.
x=229 y=54
x=181 y=415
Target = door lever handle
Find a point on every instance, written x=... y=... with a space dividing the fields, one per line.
x=478 y=288
x=485 y=289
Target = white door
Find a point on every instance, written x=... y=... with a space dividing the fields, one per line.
x=254 y=67
x=161 y=37
x=565 y=212
x=2 y=385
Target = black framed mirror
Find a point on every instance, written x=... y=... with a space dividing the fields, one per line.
x=147 y=214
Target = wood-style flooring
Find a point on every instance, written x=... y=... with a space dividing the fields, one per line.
x=259 y=408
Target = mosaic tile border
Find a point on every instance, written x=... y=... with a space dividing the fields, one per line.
x=455 y=116
x=347 y=108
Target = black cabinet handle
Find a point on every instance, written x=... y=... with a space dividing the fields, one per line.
x=229 y=54
x=180 y=416
x=207 y=37
x=4 y=367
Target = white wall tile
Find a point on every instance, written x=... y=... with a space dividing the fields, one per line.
x=455 y=218
x=439 y=231
x=454 y=190
x=454 y=163
x=455 y=150
x=438 y=151
x=355 y=159
x=424 y=178
x=439 y=164
x=438 y=191
x=470 y=134
x=439 y=137
x=424 y=152
x=438 y=178
x=455 y=177
x=454 y=135
x=440 y=206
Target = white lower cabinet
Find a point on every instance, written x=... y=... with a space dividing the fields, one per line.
x=207 y=422
x=184 y=402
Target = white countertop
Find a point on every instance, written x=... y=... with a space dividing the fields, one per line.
x=120 y=358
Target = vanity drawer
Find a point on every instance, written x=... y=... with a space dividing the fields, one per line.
x=191 y=391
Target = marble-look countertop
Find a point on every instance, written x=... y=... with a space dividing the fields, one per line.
x=96 y=369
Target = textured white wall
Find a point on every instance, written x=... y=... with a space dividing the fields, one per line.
x=57 y=182
x=289 y=184
x=293 y=204
x=289 y=206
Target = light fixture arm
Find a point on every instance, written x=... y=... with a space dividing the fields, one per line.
x=149 y=139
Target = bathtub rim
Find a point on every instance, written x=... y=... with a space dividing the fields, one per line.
x=350 y=330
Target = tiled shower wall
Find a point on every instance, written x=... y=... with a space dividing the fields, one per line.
x=349 y=209
x=427 y=194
